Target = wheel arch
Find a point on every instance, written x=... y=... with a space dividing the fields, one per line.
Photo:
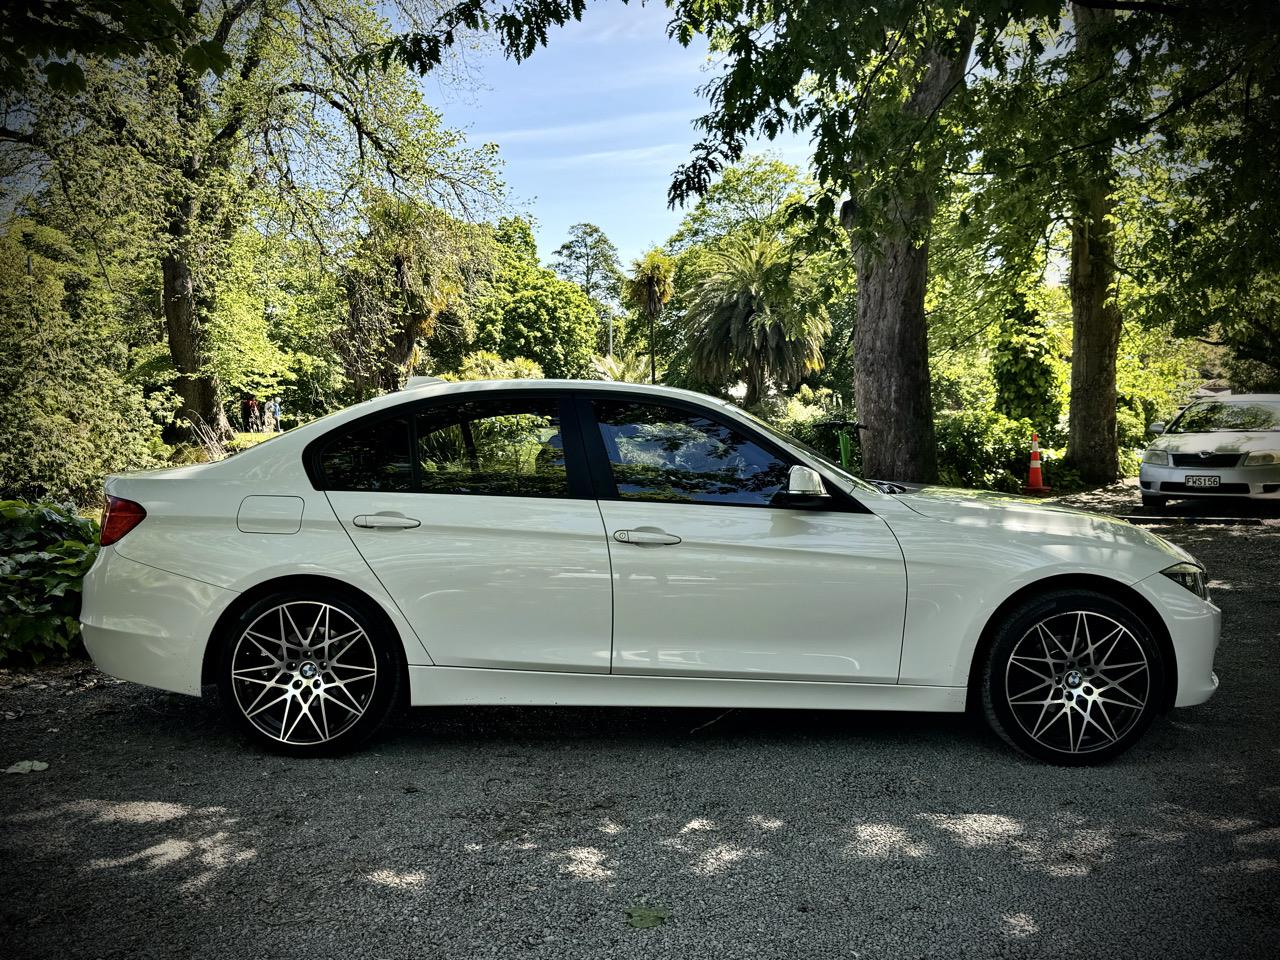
x=1120 y=592
x=265 y=589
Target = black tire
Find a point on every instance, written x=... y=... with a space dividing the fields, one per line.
x=1153 y=502
x=1067 y=694
x=293 y=699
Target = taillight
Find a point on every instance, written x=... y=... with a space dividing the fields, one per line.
x=118 y=518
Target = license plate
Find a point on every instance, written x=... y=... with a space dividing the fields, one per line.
x=1203 y=481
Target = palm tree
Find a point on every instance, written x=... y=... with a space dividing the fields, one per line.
x=753 y=316
x=648 y=290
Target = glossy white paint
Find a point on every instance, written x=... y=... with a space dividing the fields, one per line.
x=511 y=582
x=451 y=686
x=751 y=592
x=876 y=610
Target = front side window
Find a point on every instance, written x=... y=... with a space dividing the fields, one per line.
x=370 y=456
x=505 y=448
x=671 y=455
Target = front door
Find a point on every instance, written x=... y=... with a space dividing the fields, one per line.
x=718 y=573
x=477 y=517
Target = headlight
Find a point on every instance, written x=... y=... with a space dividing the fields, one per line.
x=1159 y=457
x=1190 y=576
x=1261 y=459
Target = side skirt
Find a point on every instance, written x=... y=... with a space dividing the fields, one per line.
x=451 y=686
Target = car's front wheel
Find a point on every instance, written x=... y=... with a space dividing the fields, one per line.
x=1072 y=678
x=307 y=674
x=1154 y=502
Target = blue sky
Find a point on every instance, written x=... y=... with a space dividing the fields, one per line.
x=592 y=126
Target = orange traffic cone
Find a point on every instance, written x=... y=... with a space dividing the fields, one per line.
x=1035 y=482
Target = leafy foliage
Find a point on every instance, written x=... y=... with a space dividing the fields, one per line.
x=45 y=551
x=983 y=449
x=647 y=290
x=69 y=411
x=1024 y=371
x=754 y=315
x=35 y=32
x=531 y=313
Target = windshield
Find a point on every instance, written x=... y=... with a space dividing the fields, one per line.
x=791 y=441
x=1218 y=416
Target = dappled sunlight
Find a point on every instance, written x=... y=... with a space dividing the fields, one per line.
x=885 y=841
x=720 y=857
x=585 y=863
x=1020 y=926
x=398 y=880
x=197 y=844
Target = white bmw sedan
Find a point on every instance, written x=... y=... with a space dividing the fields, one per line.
x=561 y=542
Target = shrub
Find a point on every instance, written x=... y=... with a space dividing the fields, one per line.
x=45 y=551
x=808 y=417
x=983 y=449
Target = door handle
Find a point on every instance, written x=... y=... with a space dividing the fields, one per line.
x=386 y=521
x=646 y=538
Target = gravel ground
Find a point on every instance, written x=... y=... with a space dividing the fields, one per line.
x=521 y=832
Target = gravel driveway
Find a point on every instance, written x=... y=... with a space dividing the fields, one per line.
x=532 y=832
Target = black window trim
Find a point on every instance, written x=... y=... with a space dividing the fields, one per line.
x=602 y=473
x=577 y=469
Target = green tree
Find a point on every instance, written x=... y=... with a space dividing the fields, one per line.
x=754 y=317
x=531 y=313
x=409 y=285
x=589 y=259
x=286 y=134
x=69 y=413
x=647 y=290
x=754 y=195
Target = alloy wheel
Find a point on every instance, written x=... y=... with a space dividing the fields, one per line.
x=304 y=672
x=1077 y=682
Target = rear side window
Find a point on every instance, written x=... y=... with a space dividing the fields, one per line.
x=509 y=447
x=497 y=448
x=667 y=454
x=371 y=456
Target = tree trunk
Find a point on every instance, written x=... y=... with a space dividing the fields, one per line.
x=891 y=342
x=891 y=363
x=1092 y=445
x=1095 y=339
x=195 y=386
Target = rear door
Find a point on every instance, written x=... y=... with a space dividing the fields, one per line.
x=475 y=512
x=718 y=572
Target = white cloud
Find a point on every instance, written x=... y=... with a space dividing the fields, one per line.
x=586 y=129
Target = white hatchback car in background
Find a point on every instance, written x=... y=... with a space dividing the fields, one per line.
x=1218 y=447
x=586 y=543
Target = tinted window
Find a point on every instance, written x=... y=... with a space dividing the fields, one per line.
x=662 y=453
x=372 y=456
x=507 y=448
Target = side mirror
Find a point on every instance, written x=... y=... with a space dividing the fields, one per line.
x=805 y=482
x=1157 y=428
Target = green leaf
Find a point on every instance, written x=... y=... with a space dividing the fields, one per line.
x=642 y=917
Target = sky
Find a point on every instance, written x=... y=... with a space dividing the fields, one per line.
x=591 y=127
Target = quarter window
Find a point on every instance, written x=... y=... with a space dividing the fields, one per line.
x=666 y=454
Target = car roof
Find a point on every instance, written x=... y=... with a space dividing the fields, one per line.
x=1239 y=398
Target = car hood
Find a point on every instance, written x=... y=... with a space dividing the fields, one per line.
x=1253 y=441
x=1007 y=514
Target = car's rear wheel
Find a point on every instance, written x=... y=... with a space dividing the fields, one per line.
x=308 y=675
x=1073 y=678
